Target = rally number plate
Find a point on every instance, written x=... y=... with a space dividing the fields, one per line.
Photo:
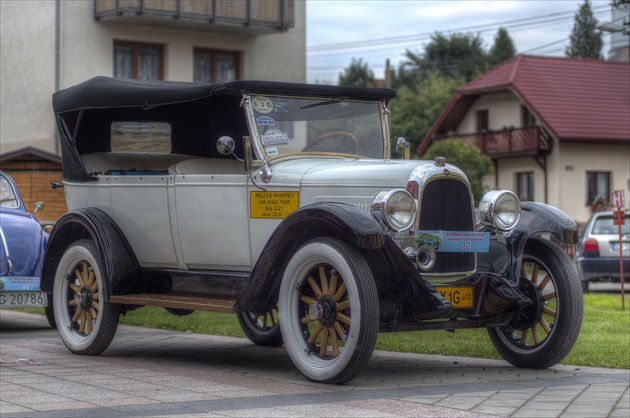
x=22 y=299
x=459 y=296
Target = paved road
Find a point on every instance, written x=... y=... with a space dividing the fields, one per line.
x=162 y=373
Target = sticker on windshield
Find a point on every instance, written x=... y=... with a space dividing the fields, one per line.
x=265 y=120
x=454 y=241
x=275 y=136
x=271 y=151
x=262 y=104
x=280 y=107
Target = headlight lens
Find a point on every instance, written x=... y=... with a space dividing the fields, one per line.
x=396 y=208
x=500 y=209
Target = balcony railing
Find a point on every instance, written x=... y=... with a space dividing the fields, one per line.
x=245 y=16
x=510 y=142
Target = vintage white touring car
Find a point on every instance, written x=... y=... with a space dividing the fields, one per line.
x=280 y=202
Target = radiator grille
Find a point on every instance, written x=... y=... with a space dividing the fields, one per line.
x=446 y=206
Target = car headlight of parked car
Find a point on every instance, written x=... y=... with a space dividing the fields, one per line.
x=500 y=209
x=395 y=208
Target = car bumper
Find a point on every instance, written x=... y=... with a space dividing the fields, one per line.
x=593 y=269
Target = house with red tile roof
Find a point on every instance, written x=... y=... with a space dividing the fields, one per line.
x=558 y=129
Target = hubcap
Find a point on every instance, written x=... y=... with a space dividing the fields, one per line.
x=325 y=301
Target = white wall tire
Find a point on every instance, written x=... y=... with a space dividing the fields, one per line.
x=85 y=320
x=547 y=339
x=331 y=277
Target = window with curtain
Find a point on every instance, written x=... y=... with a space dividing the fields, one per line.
x=597 y=185
x=525 y=186
x=215 y=66
x=482 y=120
x=138 y=60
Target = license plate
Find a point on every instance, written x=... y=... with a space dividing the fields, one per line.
x=459 y=296
x=626 y=246
x=23 y=299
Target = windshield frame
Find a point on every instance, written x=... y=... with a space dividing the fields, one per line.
x=250 y=116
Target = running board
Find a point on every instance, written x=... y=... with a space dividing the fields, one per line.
x=177 y=301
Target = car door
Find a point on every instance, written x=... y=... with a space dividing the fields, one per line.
x=211 y=216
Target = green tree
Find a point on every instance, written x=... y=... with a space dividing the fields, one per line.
x=467 y=157
x=502 y=49
x=357 y=74
x=586 y=40
x=415 y=109
x=455 y=55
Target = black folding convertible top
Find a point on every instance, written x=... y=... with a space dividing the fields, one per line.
x=105 y=92
x=85 y=112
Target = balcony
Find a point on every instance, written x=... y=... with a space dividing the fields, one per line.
x=511 y=142
x=245 y=17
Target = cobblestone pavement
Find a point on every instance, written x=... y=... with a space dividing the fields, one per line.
x=161 y=373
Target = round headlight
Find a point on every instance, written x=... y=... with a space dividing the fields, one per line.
x=500 y=209
x=396 y=208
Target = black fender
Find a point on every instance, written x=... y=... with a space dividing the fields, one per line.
x=505 y=255
x=120 y=265
x=338 y=220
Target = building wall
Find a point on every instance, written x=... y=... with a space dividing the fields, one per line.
x=574 y=160
x=27 y=63
x=27 y=76
x=508 y=168
x=504 y=110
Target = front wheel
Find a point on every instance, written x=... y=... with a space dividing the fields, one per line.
x=544 y=333
x=328 y=308
x=85 y=319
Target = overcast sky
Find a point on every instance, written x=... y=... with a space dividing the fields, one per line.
x=338 y=30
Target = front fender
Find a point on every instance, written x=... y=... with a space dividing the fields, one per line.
x=336 y=220
x=119 y=263
x=506 y=254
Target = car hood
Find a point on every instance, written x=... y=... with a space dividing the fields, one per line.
x=25 y=244
x=342 y=172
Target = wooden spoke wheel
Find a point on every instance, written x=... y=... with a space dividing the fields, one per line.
x=85 y=320
x=543 y=334
x=328 y=309
x=261 y=327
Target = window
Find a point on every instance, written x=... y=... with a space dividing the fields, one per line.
x=482 y=120
x=132 y=136
x=139 y=61
x=597 y=185
x=7 y=194
x=527 y=119
x=214 y=66
x=525 y=186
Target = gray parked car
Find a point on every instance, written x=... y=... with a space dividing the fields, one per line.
x=598 y=250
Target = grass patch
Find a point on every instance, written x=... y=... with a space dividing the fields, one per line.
x=604 y=340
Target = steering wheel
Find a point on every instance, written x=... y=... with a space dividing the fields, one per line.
x=343 y=134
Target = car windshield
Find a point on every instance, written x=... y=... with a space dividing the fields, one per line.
x=604 y=226
x=7 y=194
x=288 y=125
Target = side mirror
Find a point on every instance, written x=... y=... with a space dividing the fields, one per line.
x=247 y=150
x=38 y=206
x=226 y=145
x=402 y=148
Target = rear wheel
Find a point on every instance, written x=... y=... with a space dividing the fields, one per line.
x=544 y=333
x=85 y=319
x=328 y=309
x=261 y=327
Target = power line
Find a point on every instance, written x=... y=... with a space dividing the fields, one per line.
x=522 y=23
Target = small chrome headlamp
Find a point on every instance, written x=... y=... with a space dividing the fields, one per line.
x=396 y=208
x=500 y=209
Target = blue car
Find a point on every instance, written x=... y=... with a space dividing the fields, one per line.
x=22 y=246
